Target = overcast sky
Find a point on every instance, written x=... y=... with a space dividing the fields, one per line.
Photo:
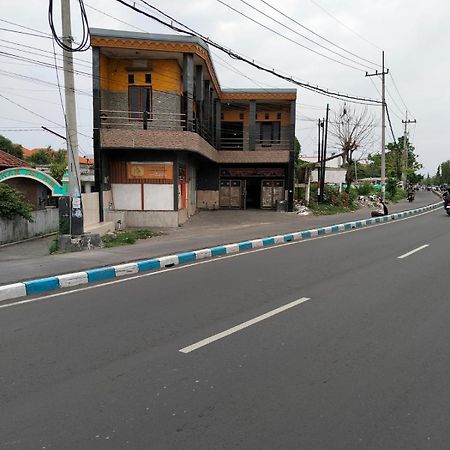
x=414 y=35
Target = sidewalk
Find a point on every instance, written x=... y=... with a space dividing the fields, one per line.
x=205 y=229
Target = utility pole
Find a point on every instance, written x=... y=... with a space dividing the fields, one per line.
x=383 y=74
x=405 y=150
x=76 y=209
x=319 y=155
x=324 y=156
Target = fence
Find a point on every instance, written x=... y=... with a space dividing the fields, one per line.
x=45 y=221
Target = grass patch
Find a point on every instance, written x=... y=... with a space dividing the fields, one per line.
x=326 y=209
x=54 y=245
x=119 y=238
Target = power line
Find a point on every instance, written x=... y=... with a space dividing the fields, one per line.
x=25 y=33
x=344 y=25
x=301 y=35
x=286 y=37
x=317 y=34
x=85 y=36
x=390 y=124
x=25 y=27
x=398 y=92
x=234 y=55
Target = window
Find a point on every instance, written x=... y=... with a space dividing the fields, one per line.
x=130 y=78
x=269 y=133
x=139 y=100
x=148 y=78
x=266 y=116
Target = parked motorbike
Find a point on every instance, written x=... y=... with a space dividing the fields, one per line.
x=410 y=197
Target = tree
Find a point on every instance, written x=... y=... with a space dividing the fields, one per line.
x=353 y=131
x=13 y=204
x=445 y=172
x=42 y=156
x=394 y=160
x=8 y=146
x=58 y=164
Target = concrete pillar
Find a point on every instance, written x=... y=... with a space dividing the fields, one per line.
x=207 y=107
x=199 y=97
x=98 y=161
x=218 y=115
x=291 y=167
x=252 y=125
x=188 y=90
x=292 y=126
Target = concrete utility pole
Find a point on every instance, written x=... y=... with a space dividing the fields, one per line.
x=323 y=157
x=383 y=73
x=76 y=209
x=405 y=150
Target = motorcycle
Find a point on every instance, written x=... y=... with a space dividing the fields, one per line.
x=447 y=206
x=410 y=197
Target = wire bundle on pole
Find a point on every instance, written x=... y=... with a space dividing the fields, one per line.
x=86 y=37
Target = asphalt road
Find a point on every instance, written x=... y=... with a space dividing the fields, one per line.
x=363 y=364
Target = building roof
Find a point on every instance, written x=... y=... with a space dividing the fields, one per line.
x=122 y=34
x=106 y=35
x=7 y=160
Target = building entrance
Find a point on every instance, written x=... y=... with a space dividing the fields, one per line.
x=253 y=193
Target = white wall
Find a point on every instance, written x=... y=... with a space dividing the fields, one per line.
x=127 y=196
x=90 y=208
x=158 y=197
x=45 y=221
x=332 y=175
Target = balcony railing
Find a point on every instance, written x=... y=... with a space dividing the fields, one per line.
x=142 y=120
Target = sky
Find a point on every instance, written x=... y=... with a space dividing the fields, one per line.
x=414 y=35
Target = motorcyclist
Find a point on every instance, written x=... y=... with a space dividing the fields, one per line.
x=446 y=196
x=411 y=192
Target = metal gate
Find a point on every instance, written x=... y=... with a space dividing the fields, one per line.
x=271 y=192
x=231 y=193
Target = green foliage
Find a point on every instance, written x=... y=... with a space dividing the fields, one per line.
x=54 y=245
x=334 y=201
x=445 y=172
x=8 y=146
x=399 y=195
x=365 y=189
x=58 y=165
x=13 y=204
x=42 y=157
x=391 y=187
x=127 y=237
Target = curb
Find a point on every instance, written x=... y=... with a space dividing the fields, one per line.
x=41 y=285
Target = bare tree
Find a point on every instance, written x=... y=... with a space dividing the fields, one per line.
x=353 y=130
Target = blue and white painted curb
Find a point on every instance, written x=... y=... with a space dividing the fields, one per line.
x=41 y=285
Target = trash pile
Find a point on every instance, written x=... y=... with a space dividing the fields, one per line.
x=300 y=209
x=369 y=201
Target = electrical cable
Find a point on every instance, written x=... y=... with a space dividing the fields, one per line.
x=344 y=25
x=86 y=36
x=317 y=34
x=234 y=55
x=286 y=37
x=303 y=36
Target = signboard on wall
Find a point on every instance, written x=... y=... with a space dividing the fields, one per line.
x=150 y=171
x=252 y=172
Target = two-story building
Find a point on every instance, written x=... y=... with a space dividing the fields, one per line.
x=168 y=140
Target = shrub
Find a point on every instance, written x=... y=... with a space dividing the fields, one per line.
x=13 y=204
x=364 y=189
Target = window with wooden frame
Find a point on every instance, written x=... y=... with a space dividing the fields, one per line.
x=139 y=101
x=269 y=133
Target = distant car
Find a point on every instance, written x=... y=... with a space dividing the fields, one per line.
x=429 y=187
